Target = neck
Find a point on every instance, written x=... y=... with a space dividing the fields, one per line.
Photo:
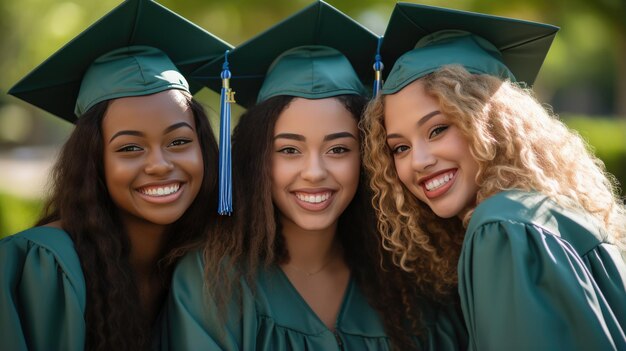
x=309 y=250
x=146 y=243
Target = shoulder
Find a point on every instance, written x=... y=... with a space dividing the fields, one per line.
x=44 y=243
x=533 y=212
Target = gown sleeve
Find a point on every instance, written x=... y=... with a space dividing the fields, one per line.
x=192 y=319
x=42 y=292
x=524 y=288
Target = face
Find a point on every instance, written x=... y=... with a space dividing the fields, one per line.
x=153 y=163
x=431 y=156
x=315 y=162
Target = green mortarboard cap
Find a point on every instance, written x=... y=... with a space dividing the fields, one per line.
x=138 y=48
x=420 y=39
x=318 y=52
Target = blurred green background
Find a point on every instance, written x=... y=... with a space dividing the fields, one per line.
x=583 y=78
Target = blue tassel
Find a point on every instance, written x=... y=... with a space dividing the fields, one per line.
x=225 y=205
x=378 y=69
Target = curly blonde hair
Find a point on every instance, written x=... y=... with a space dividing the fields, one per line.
x=518 y=144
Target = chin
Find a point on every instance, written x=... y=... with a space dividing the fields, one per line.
x=313 y=224
x=163 y=219
x=445 y=212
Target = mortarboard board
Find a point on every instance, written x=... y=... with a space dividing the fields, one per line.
x=138 y=48
x=419 y=39
x=308 y=55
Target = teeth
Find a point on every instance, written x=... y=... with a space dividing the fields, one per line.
x=160 y=191
x=438 y=182
x=313 y=199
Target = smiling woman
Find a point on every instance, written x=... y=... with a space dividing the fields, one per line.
x=315 y=165
x=485 y=196
x=153 y=171
x=434 y=146
x=134 y=183
x=299 y=266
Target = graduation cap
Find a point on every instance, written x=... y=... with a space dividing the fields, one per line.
x=138 y=48
x=420 y=39
x=316 y=53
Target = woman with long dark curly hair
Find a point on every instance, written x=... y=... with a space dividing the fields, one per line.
x=481 y=191
x=299 y=265
x=135 y=182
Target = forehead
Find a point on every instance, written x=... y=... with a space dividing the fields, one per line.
x=315 y=116
x=408 y=105
x=148 y=112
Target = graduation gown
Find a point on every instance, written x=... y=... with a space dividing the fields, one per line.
x=536 y=276
x=42 y=292
x=275 y=317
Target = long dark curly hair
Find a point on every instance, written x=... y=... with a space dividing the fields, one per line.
x=80 y=199
x=251 y=239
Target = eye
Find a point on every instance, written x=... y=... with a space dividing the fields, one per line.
x=179 y=142
x=399 y=149
x=288 y=150
x=129 y=148
x=338 y=150
x=437 y=130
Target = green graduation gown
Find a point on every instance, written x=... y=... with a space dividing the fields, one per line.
x=536 y=276
x=277 y=318
x=42 y=292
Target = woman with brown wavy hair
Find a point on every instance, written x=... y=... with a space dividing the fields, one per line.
x=482 y=191
x=299 y=266
x=135 y=182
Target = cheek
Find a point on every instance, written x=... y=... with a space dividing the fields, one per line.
x=195 y=162
x=349 y=171
x=404 y=171
x=117 y=172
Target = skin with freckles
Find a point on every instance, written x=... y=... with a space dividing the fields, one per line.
x=431 y=155
x=153 y=171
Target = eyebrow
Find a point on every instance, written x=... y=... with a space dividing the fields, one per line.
x=291 y=136
x=328 y=137
x=138 y=133
x=176 y=126
x=338 y=136
x=421 y=122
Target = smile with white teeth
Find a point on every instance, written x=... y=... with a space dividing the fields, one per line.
x=161 y=190
x=313 y=198
x=438 y=182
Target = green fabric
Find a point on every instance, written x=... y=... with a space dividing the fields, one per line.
x=446 y=47
x=319 y=24
x=128 y=71
x=42 y=292
x=54 y=85
x=315 y=72
x=277 y=318
x=521 y=45
x=536 y=276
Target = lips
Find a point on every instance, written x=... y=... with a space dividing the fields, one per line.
x=439 y=183
x=161 y=193
x=313 y=198
x=160 y=190
x=314 y=201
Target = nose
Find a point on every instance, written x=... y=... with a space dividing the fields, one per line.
x=314 y=169
x=157 y=163
x=422 y=158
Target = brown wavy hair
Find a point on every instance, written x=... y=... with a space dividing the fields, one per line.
x=251 y=239
x=518 y=144
x=114 y=318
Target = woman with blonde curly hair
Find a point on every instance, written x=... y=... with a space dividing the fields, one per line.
x=479 y=188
